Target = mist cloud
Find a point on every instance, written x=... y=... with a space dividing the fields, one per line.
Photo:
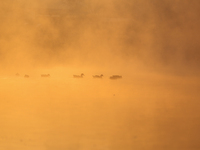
x=164 y=32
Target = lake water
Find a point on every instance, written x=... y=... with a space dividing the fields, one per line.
x=132 y=113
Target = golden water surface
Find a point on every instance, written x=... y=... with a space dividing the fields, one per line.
x=135 y=112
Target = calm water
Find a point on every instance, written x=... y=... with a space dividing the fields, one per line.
x=136 y=112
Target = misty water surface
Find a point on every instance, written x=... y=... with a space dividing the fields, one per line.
x=135 y=112
x=153 y=44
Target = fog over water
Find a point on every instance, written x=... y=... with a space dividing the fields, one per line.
x=152 y=44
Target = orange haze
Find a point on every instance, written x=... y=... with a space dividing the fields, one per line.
x=153 y=44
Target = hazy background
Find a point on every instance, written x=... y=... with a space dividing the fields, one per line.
x=153 y=44
x=163 y=35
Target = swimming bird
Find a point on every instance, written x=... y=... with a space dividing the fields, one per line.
x=98 y=76
x=17 y=74
x=115 y=77
x=26 y=76
x=78 y=76
x=45 y=75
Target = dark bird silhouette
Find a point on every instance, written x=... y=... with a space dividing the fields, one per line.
x=78 y=76
x=98 y=76
x=17 y=74
x=26 y=76
x=45 y=75
x=115 y=77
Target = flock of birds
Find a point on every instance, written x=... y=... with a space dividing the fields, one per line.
x=98 y=76
x=77 y=76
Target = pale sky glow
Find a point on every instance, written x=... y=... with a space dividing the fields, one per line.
x=99 y=74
